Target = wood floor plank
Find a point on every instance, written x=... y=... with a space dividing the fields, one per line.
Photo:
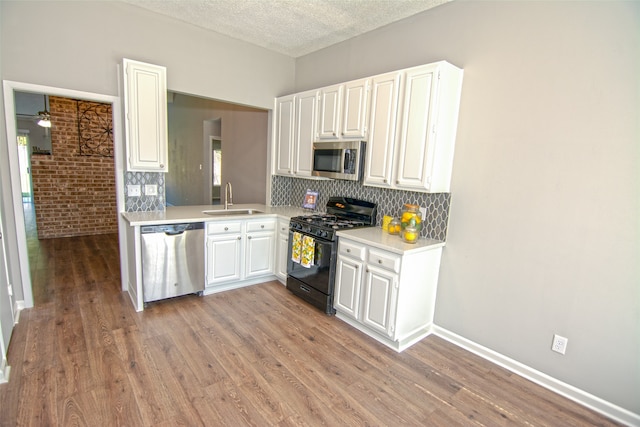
x=251 y=356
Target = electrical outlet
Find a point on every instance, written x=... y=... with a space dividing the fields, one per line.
x=423 y=213
x=151 y=190
x=133 y=190
x=559 y=344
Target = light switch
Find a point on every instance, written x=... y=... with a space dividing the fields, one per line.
x=150 y=190
x=133 y=190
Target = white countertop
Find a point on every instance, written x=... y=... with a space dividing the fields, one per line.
x=377 y=237
x=178 y=214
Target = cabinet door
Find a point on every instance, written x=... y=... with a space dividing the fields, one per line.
x=347 y=287
x=378 y=311
x=354 y=115
x=259 y=254
x=145 y=103
x=417 y=133
x=283 y=250
x=329 y=112
x=223 y=258
x=306 y=112
x=383 y=122
x=284 y=135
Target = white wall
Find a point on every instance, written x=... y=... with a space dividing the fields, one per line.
x=544 y=226
x=85 y=40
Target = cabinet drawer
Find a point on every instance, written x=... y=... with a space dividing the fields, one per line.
x=223 y=227
x=351 y=249
x=385 y=260
x=261 y=226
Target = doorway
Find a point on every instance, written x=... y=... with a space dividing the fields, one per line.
x=216 y=169
x=21 y=269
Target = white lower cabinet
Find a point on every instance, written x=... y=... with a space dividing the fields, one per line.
x=237 y=252
x=389 y=296
x=282 y=245
x=260 y=248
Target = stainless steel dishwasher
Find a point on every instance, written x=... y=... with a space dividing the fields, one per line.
x=172 y=260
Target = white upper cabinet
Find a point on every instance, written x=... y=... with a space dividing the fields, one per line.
x=429 y=118
x=413 y=121
x=329 y=112
x=343 y=110
x=408 y=119
x=284 y=133
x=354 y=114
x=385 y=90
x=295 y=131
x=305 y=131
x=145 y=108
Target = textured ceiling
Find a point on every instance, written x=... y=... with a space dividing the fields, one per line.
x=291 y=27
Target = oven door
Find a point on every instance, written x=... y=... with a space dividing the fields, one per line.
x=321 y=273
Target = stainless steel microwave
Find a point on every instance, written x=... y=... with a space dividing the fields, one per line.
x=339 y=159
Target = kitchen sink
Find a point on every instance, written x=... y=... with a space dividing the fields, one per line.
x=226 y=212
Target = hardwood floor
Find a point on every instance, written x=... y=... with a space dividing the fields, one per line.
x=253 y=356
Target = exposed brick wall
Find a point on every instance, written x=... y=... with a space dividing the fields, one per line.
x=74 y=195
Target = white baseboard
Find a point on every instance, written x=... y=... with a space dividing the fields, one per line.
x=580 y=396
x=18 y=306
x=5 y=370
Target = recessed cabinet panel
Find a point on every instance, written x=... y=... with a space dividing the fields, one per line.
x=145 y=94
x=382 y=130
x=223 y=258
x=378 y=304
x=329 y=112
x=417 y=130
x=305 y=133
x=348 y=284
x=284 y=135
x=259 y=260
x=354 y=116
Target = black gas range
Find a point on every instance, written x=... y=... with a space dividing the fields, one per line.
x=313 y=247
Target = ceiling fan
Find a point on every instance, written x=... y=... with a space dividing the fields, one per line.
x=43 y=118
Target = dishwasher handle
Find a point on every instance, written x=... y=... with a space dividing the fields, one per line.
x=171 y=229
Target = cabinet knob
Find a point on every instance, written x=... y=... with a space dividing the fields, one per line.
x=397 y=181
x=348 y=250
x=238 y=237
x=379 y=261
x=226 y=229
x=357 y=266
x=384 y=180
x=333 y=133
x=262 y=226
x=162 y=166
x=249 y=237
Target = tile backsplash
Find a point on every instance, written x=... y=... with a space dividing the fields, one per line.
x=144 y=203
x=287 y=191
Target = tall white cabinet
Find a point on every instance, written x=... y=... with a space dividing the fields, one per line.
x=413 y=130
x=295 y=131
x=145 y=110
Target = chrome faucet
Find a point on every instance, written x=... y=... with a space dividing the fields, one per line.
x=228 y=195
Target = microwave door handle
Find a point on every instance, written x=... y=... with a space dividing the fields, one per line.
x=347 y=160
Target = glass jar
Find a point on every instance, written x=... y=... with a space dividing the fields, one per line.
x=394 y=226
x=411 y=217
x=410 y=234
